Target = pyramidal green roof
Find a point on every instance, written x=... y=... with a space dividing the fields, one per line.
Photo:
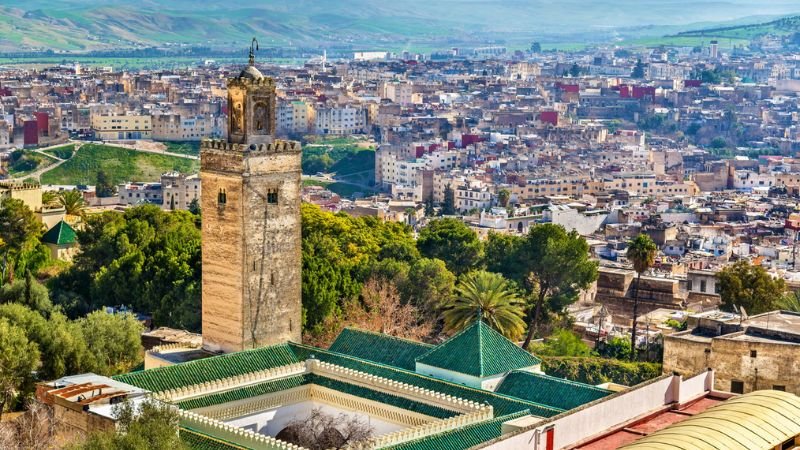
x=60 y=234
x=380 y=348
x=480 y=351
x=551 y=391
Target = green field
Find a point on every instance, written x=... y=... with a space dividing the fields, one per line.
x=184 y=148
x=23 y=162
x=119 y=164
x=63 y=152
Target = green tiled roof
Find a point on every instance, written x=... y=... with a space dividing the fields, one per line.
x=461 y=438
x=382 y=397
x=380 y=348
x=60 y=234
x=245 y=392
x=480 y=351
x=299 y=380
x=547 y=390
x=199 y=441
x=213 y=368
x=502 y=404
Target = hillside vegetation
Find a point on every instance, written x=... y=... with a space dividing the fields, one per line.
x=360 y=24
x=119 y=164
x=780 y=27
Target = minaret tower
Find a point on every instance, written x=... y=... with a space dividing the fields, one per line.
x=250 y=224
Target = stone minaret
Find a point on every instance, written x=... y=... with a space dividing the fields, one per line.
x=251 y=225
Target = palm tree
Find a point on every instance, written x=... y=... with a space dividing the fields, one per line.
x=488 y=296
x=72 y=201
x=642 y=253
x=49 y=197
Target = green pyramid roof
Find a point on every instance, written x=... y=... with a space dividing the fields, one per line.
x=480 y=351
x=60 y=234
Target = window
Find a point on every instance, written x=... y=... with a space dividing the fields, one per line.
x=703 y=286
x=689 y=284
x=272 y=196
x=753 y=353
x=737 y=387
x=778 y=387
x=222 y=197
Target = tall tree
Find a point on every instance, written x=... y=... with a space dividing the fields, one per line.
x=453 y=242
x=19 y=235
x=638 y=69
x=104 y=187
x=114 y=340
x=18 y=359
x=748 y=286
x=449 y=203
x=503 y=196
x=641 y=253
x=429 y=283
x=488 y=296
x=557 y=266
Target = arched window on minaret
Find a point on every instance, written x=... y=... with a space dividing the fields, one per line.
x=222 y=197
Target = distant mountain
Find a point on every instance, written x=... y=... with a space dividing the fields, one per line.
x=95 y=24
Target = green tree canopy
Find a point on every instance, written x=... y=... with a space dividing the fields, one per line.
x=148 y=425
x=28 y=292
x=562 y=343
x=429 y=284
x=20 y=231
x=453 y=242
x=559 y=267
x=341 y=251
x=750 y=287
x=638 y=69
x=18 y=359
x=489 y=296
x=146 y=258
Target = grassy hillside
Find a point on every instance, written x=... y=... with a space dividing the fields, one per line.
x=369 y=24
x=780 y=27
x=23 y=162
x=119 y=164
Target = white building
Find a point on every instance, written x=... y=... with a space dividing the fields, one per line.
x=341 y=120
x=179 y=190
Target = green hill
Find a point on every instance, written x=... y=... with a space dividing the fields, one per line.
x=358 y=24
x=780 y=27
x=120 y=164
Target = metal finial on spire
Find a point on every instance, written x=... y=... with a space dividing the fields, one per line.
x=253 y=48
x=480 y=313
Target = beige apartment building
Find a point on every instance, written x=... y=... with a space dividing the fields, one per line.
x=296 y=117
x=174 y=127
x=179 y=190
x=113 y=127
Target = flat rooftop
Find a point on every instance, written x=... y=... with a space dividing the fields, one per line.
x=659 y=420
x=785 y=321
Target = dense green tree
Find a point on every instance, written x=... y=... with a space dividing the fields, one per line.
x=114 y=340
x=452 y=241
x=502 y=255
x=536 y=47
x=449 y=203
x=747 y=286
x=18 y=359
x=28 y=292
x=575 y=70
x=562 y=343
x=61 y=343
x=638 y=69
x=616 y=347
x=641 y=253
x=488 y=296
x=341 y=251
x=103 y=186
x=148 y=425
x=558 y=267
x=20 y=231
x=146 y=258
x=194 y=207
x=429 y=283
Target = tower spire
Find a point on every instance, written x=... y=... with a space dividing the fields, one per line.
x=253 y=48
